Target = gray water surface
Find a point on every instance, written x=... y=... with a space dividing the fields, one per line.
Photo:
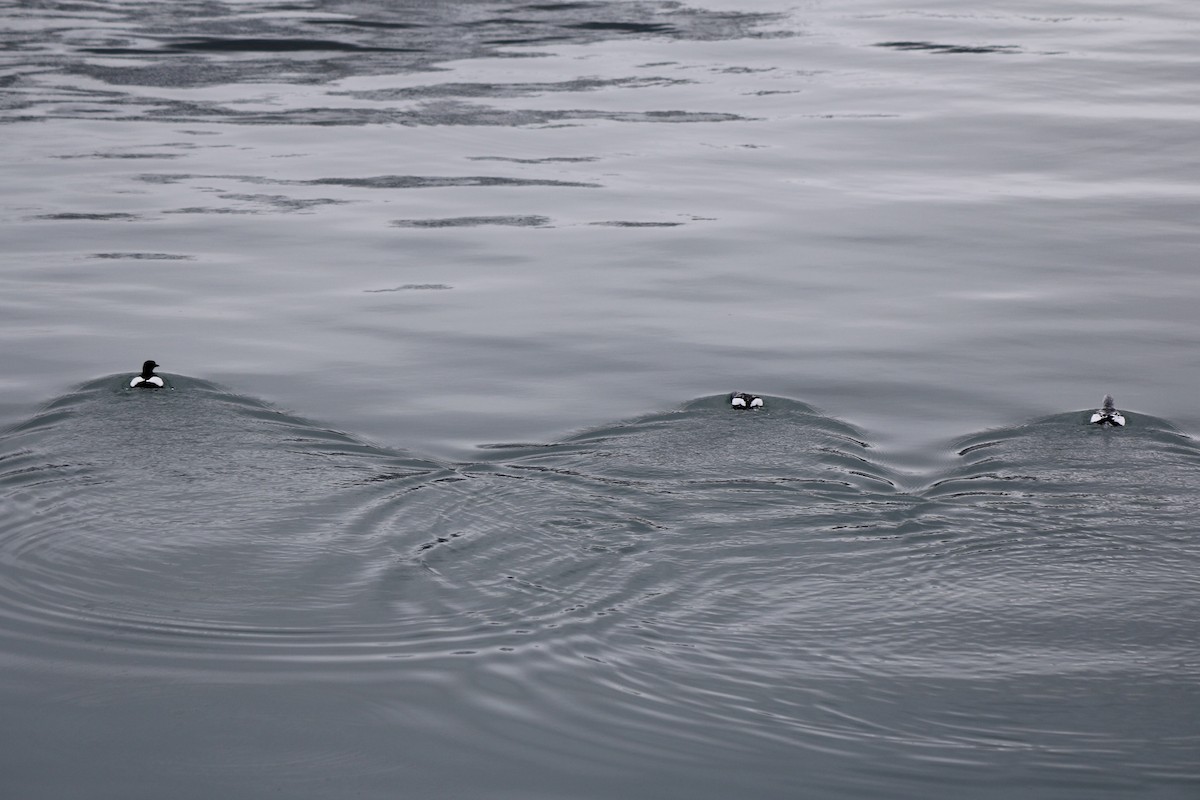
x=203 y=595
x=954 y=217
x=512 y=256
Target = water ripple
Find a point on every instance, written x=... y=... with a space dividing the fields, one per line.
x=679 y=586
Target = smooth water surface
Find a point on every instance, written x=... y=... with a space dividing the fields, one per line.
x=445 y=224
x=511 y=256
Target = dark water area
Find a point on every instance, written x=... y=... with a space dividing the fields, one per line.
x=494 y=248
x=203 y=594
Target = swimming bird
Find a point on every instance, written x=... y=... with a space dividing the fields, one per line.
x=1108 y=415
x=744 y=400
x=147 y=380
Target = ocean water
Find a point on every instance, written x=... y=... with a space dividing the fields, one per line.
x=445 y=498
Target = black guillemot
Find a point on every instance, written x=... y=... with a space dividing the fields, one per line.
x=147 y=380
x=1108 y=415
x=744 y=400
